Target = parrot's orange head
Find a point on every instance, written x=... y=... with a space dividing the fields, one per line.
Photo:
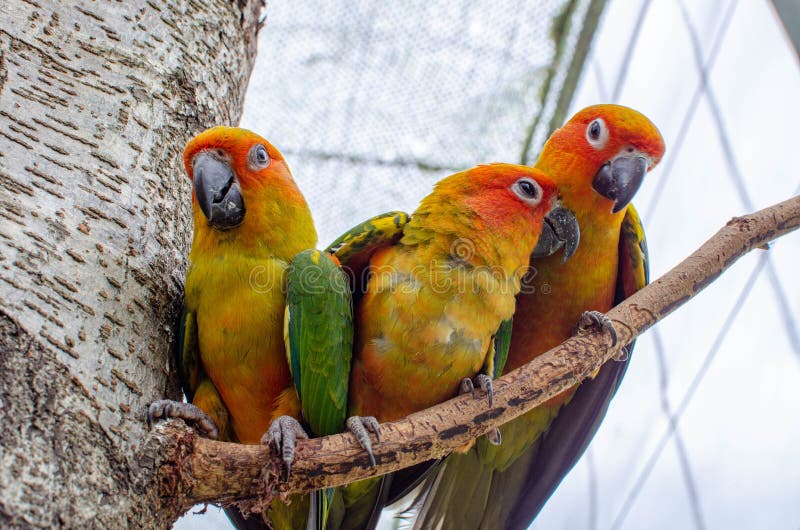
x=231 y=170
x=605 y=148
x=499 y=193
x=512 y=200
x=243 y=195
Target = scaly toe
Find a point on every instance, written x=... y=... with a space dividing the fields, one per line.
x=599 y=320
x=282 y=434
x=165 y=408
x=467 y=387
x=485 y=384
x=361 y=426
x=483 y=381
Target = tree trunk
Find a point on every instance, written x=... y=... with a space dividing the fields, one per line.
x=97 y=99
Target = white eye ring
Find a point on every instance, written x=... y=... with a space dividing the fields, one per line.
x=597 y=133
x=528 y=190
x=258 y=157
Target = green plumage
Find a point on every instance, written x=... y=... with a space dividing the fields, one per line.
x=383 y=229
x=187 y=353
x=502 y=342
x=319 y=339
x=354 y=506
x=318 y=330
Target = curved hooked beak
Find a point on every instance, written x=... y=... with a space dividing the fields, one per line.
x=619 y=179
x=560 y=229
x=218 y=192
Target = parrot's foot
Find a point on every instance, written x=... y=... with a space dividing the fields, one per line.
x=600 y=320
x=361 y=426
x=483 y=381
x=282 y=435
x=165 y=408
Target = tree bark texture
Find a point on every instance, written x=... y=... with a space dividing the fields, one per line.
x=196 y=469
x=97 y=99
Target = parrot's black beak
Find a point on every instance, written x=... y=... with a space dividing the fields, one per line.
x=560 y=229
x=619 y=179
x=218 y=192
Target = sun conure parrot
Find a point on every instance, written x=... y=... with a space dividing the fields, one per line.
x=438 y=297
x=598 y=160
x=261 y=305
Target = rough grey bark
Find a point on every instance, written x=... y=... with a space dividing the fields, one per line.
x=97 y=99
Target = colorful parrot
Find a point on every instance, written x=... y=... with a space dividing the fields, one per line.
x=439 y=293
x=598 y=160
x=261 y=306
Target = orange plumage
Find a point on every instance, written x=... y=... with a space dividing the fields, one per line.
x=588 y=280
x=597 y=159
x=436 y=298
x=234 y=285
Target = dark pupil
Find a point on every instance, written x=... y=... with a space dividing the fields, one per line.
x=528 y=189
x=261 y=156
x=594 y=130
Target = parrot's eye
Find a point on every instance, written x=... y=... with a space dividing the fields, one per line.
x=597 y=133
x=259 y=158
x=528 y=190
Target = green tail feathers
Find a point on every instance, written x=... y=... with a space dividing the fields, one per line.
x=320 y=510
x=486 y=477
x=361 y=505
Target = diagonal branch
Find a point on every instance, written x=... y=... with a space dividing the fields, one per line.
x=191 y=469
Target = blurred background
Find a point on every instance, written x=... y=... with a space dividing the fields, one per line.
x=372 y=102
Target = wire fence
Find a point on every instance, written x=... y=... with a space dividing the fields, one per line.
x=645 y=456
x=372 y=102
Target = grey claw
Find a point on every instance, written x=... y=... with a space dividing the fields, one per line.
x=600 y=320
x=373 y=426
x=484 y=383
x=165 y=408
x=467 y=387
x=494 y=436
x=361 y=426
x=282 y=434
x=623 y=354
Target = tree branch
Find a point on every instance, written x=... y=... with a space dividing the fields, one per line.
x=193 y=469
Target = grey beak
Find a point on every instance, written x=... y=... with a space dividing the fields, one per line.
x=560 y=229
x=218 y=192
x=619 y=180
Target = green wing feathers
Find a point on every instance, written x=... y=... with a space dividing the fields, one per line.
x=634 y=270
x=187 y=354
x=319 y=339
x=502 y=343
x=318 y=331
x=355 y=506
x=356 y=246
x=379 y=230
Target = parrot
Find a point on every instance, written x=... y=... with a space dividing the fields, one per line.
x=266 y=318
x=598 y=160
x=432 y=293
